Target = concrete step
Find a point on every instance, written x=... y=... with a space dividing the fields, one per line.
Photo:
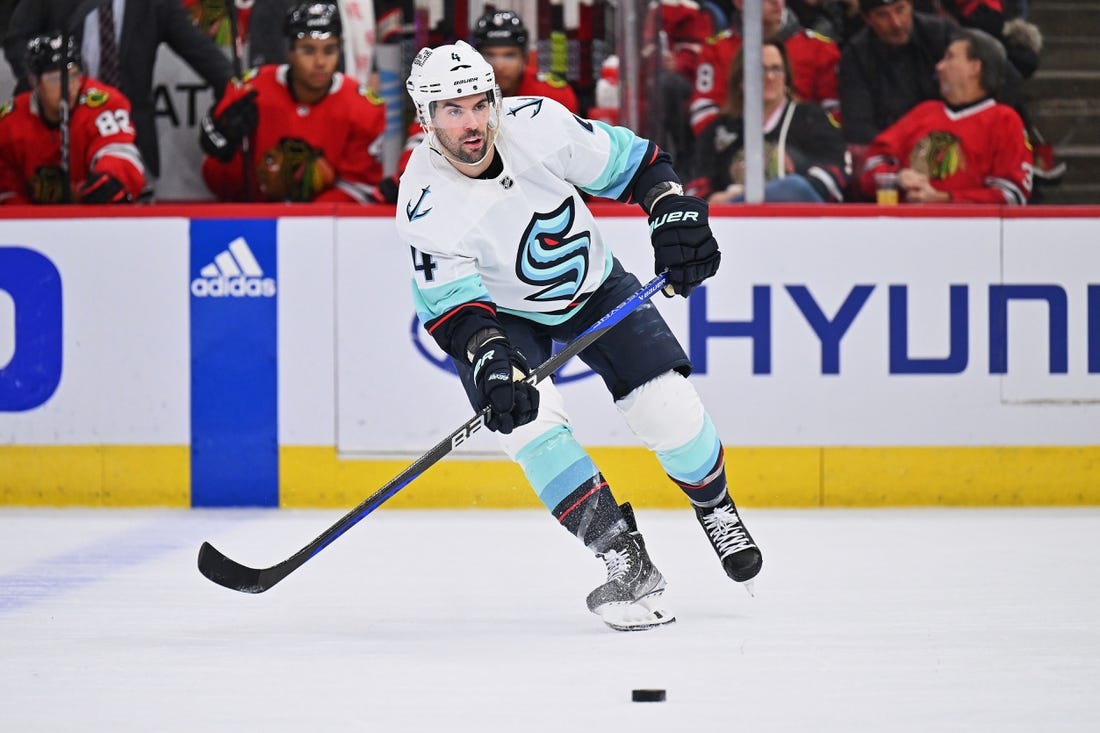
x=1065 y=18
x=1059 y=84
x=1072 y=193
x=1073 y=121
x=1082 y=163
x=1070 y=53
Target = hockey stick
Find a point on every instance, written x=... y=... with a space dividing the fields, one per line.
x=65 y=107
x=236 y=43
x=231 y=574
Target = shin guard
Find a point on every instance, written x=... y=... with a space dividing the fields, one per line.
x=591 y=514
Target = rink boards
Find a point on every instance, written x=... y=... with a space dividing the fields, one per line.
x=269 y=356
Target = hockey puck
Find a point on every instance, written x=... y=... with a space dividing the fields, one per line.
x=647 y=695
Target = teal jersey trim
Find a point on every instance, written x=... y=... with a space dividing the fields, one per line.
x=433 y=302
x=692 y=462
x=627 y=153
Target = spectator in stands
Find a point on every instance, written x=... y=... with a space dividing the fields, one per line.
x=967 y=147
x=805 y=155
x=889 y=67
x=313 y=132
x=835 y=19
x=813 y=64
x=501 y=38
x=122 y=52
x=677 y=31
x=686 y=27
x=104 y=165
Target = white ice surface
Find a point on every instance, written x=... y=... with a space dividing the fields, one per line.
x=885 y=620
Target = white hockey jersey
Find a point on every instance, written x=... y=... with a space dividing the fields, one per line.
x=524 y=239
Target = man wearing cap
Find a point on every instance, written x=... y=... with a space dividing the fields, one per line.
x=103 y=164
x=966 y=148
x=889 y=67
x=299 y=131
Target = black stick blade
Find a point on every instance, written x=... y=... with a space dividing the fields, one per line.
x=228 y=573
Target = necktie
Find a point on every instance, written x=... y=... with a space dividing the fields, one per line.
x=108 y=48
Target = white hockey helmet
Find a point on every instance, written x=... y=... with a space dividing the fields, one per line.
x=449 y=72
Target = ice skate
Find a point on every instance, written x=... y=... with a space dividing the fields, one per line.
x=740 y=557
x=630 y=599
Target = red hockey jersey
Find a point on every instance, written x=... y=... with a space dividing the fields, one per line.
x=535 y=84
x=978 y=154
x=101 y=140
x=327 y=151
x=813 y=58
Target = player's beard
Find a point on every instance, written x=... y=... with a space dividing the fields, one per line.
x=460 y=152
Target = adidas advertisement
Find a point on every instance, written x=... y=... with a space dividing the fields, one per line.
x=233 y=273
x=234 y=362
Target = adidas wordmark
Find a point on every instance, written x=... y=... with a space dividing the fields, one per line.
x=234 y=273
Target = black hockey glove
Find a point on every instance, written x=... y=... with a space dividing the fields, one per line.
x=102 y=188
x=682 y=242
x=221 y=136
x=497 y=367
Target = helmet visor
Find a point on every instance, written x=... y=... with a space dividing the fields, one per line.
x=474 y=111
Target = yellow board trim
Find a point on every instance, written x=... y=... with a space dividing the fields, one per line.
x=98 y=475
x=761 y=477
x=131 y=476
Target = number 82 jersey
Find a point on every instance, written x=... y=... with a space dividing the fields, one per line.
x=101 y=139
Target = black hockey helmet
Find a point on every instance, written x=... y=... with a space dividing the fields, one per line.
x=44 y=54
x=500 y=28
x=312 y=20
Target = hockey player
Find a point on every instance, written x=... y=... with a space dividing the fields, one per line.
x=104 y=164
x=501 y=38
x=312 y=133
x=508 y=259
x=814 y=60
x=966 y=148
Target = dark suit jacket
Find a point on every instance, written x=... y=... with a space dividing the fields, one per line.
x=145 y=25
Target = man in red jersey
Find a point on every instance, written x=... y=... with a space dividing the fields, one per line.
x=299 y=131
x=966 y=148
x=501 y=38
x=104 y=164
x=814 y=59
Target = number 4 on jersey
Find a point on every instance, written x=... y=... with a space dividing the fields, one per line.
x=423 y=263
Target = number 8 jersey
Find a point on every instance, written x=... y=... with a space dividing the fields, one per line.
x=101 y=140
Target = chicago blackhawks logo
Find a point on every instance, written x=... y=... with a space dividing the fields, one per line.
x=96 y=97
x=370 y=95
x=938 y=155
x=551 y=258
x=45 y=185
x=293 y=170
x=6 y=109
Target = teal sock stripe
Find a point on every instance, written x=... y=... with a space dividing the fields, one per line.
x=690 y=463
x=555 y=465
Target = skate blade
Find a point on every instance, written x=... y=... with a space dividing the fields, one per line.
x=750 y=586
x=645 y=613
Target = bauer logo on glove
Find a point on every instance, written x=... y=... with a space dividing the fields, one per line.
x=673 y=216
x=683 y=243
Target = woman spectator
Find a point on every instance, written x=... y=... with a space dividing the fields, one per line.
x=805 y=153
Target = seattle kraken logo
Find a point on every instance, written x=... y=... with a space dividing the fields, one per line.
x=532 y=102
x=552 y=259
x=414 y=212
